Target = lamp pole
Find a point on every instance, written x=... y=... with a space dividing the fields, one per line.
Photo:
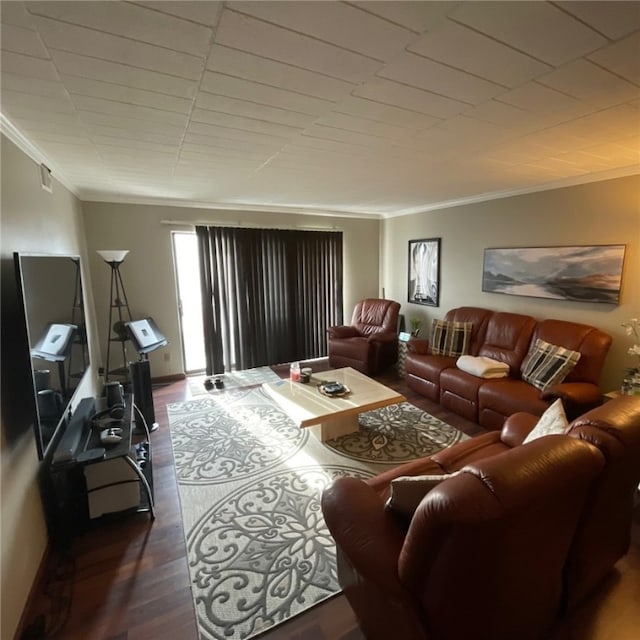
x=117 y=300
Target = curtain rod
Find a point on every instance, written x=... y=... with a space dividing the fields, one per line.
x=248 y=225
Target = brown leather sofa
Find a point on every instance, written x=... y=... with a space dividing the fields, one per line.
x=506 y=548
x=370 y=343
x=507 y=337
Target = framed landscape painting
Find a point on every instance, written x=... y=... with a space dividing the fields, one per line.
x=424 y=271
x=591 y=273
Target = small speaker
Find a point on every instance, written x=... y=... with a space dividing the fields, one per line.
x=140 y=373
x=114 y=393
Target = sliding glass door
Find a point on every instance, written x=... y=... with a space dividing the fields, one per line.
x=185 y=251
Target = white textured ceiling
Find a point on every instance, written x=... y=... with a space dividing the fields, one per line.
x=356 y=107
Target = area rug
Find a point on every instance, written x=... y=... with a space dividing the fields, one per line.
x=233 y=379
x=250 y=483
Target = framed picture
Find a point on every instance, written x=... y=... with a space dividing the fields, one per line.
x=424 y=271
x=590 y=273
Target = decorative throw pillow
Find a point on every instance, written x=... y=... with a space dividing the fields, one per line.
x=450 y=338
x=548 y=364
x=553 y=420
x=407 y=491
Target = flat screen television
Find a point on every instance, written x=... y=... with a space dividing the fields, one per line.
x=51 y=306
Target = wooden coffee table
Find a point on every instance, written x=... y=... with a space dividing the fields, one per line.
x=327 y=417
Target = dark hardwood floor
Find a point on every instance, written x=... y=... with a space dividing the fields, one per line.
x=127 y=578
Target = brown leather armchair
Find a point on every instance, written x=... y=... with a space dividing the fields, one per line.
x=483 y=555
x=356 y=517
x=370 y=343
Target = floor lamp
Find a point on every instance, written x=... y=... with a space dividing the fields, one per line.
x=118 y=302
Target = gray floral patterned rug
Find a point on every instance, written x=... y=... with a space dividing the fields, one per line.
x=250 y=483
x=384 y=437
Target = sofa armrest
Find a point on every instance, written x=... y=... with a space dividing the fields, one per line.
x=387 y=337
x=619 y=413
x=574 y=393
x=367 y=533
x=343 y=331
x=517 y=427
x=451 y=459
x=418 y=345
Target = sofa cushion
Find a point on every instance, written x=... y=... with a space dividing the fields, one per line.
x=459 y=392
x=423 y=373
x=375 y=315
x=552 y=421
x=508 y=338
x=450 y=338
x=478 y=317
x=407 y=491
x=548 y=364
x=498 y=399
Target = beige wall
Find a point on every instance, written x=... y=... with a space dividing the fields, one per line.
x=148 y=271
x=33 y=220
x=605 y=212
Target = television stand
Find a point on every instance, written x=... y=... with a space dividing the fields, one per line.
x=93 y=480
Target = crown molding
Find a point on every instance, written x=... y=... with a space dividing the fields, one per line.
x=8 y=129
x=611 y=174
x=231 y=207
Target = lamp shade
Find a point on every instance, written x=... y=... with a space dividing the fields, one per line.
x=115 y=255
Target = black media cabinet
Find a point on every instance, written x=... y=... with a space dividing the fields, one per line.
x=87 y=486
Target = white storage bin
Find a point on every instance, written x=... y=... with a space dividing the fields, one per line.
x=112 y=486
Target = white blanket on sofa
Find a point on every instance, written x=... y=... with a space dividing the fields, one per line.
x=483 y=367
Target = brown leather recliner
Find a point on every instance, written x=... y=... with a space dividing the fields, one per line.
x=370 y=343
x=483 y=556
x=602 y=536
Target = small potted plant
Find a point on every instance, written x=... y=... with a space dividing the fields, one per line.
x=416 y=325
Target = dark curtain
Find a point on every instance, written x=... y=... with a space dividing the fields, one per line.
x=268 y=294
